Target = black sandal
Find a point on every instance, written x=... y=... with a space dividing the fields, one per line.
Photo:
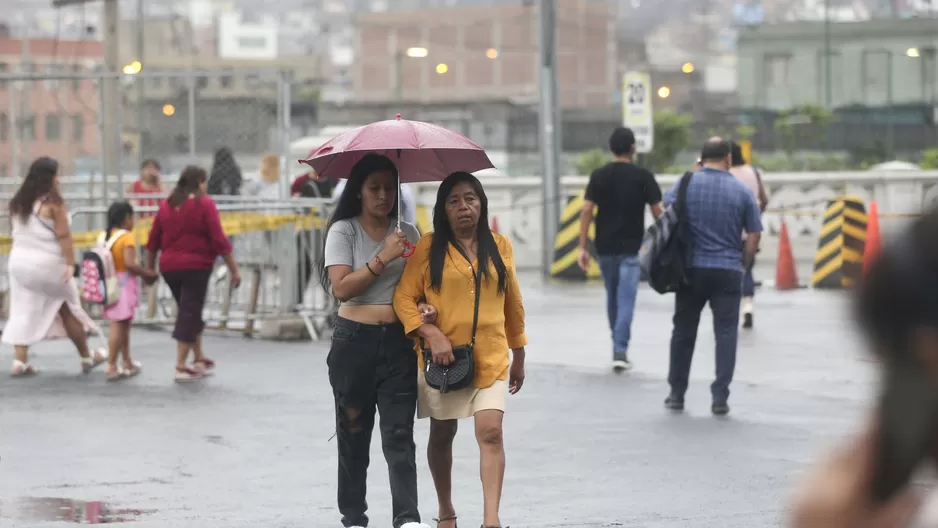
x=446 y=519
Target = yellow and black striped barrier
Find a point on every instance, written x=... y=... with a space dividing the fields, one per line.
x=566 y=245
x=839 y=259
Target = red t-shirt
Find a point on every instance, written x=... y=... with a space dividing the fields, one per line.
x=190 y=237
x=138 y=188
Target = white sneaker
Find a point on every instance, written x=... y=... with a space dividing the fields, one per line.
x=621 y=365
x=415 y=525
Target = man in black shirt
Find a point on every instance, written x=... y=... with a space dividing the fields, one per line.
x=620 y=190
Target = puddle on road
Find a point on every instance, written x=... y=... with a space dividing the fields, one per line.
x=50 y=509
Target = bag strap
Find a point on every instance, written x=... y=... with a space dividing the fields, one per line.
x=478 y=288
x=114 y=238
x=682 y=192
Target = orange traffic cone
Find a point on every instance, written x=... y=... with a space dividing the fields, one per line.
x=495 y=224
x=786 y=277
x=873 y=244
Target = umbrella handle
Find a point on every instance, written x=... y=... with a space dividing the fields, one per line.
x=410 y=249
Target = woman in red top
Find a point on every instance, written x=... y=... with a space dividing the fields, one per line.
x=188 y=235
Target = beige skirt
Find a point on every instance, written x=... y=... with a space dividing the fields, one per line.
x=463 y=403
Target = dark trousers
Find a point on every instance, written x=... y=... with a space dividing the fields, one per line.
x=189 y=288
x=374 y=366
x=722 y=289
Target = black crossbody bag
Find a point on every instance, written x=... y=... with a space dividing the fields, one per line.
x=462 y=372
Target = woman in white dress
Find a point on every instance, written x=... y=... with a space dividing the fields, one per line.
x=44 y=301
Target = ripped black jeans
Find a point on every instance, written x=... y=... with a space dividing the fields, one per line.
x=374 y=366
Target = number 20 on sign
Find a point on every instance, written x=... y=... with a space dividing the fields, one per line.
x=636 y=109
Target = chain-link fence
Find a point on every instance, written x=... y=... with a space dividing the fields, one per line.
x=176 y=117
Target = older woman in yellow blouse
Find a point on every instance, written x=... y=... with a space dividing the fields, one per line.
x=442 y=272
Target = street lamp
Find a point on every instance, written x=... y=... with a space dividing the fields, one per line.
x=414 y=53
x=688 y=67
x=664 y=92
x=491 y=53
x=442 y=68
x=168 y=110
x=417 y=53
x=912 y=52
x=133 y=68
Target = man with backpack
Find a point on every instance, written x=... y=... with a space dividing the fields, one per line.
x=717 y=208
x=621 y=190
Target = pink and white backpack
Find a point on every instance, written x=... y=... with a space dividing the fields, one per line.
x=99 y=284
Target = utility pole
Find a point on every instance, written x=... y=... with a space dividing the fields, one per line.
x=110 y=138
x=828 y=86
x=549 y=131
x=141 y=99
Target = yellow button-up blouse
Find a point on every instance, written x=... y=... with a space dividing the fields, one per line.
x=501 y=316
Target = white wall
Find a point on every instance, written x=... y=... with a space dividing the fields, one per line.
x=239 y=40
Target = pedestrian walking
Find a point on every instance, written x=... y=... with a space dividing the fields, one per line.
x=719 y=207
x=371 y=361
x=149 y=183
x=468 y=273
x=188 y=237
x=621 y=190
x=120 y=240
x=753 y=181
x=44 y=302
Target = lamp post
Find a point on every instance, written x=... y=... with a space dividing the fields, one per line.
x=828 y=88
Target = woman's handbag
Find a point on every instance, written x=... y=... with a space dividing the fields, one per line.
x=462 y=371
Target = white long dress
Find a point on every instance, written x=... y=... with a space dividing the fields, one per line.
x=37 y=288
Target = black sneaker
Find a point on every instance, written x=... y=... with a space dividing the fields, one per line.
x=620 y=362
x=674 y=403
x=720 y=409
x=747 y=320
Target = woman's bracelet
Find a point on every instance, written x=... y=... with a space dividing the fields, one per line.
x=367 y=265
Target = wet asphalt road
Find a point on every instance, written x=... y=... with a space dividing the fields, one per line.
x=586 y=448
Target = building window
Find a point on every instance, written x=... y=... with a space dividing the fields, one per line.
x=252 y=42
x=226 y=81
x=28 y=129
x=156 y=82
x=877 y=70
x=252 y=80
x=201 y=82
x=53 y=127
x=78 y=127
x=777 y=70
x=4 y=128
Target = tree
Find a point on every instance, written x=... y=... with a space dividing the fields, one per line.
x=672 y=135
x=930 y=159
x=591 y=160
x=789 y=127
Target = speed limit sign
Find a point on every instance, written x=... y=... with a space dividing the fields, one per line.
x=636 y=109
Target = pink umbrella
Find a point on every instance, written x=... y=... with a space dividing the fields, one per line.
x=421 y=151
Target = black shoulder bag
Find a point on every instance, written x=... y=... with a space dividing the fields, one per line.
x=462 y=372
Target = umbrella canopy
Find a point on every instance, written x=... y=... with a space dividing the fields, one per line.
x=421 y=151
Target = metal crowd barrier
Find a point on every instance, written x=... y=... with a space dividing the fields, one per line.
x=277 y=245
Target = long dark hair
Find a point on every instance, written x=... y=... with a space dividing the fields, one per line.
x=116 y=214
x=350 y=201
x=226 y=175
x=189 y=182
x=900 y=291
x=39 y=183
x=443 y=234
x=736 y=153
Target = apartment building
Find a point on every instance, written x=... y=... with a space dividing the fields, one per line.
x=486 y=53
x=47 y=118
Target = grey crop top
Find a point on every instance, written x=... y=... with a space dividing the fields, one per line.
x=347 y=244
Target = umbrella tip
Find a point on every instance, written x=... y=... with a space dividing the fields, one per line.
x=398 y=117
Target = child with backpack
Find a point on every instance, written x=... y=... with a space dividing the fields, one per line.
x=117 y=270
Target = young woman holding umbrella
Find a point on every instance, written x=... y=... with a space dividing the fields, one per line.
x=364 y=273
x=371 y=362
